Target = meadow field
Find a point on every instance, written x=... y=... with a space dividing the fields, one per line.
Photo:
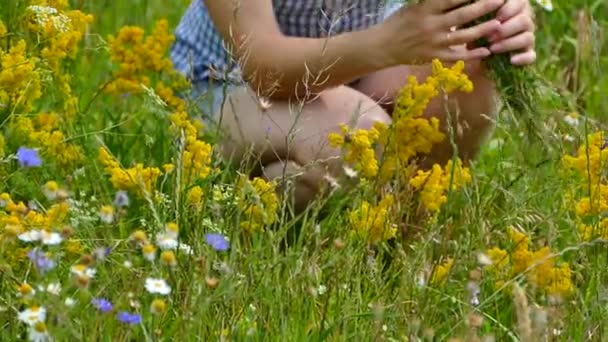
x=119 y=221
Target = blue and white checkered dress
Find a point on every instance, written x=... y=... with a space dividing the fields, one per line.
x=200 y=54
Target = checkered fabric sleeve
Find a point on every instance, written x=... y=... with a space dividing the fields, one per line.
x=200 y=53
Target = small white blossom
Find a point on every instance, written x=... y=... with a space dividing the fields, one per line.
x=159 y=286
x=349 y=172
x=572 y=119
x=69 y=302
x=53 y=288
x=484 y=260
x=30 y=236
x=186 y=249
x=51 y=238
x=166 y=241
x=321 y=290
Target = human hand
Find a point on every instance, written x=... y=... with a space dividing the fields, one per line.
x=431 y=29
x=516 y=32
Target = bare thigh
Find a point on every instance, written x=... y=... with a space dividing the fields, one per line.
x=472 y=113
x=295 y=131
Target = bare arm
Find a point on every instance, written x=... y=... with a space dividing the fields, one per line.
x=279 y=66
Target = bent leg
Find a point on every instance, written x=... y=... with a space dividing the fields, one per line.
x=475 y=112
x=290 y=139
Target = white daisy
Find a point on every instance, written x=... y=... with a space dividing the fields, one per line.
x=51 y=238
x=38 y=333
x=32 y=315
x=166 y=241
x=159 y=286
x=30 y=236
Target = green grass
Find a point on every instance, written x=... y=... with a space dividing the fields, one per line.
x=323 y=285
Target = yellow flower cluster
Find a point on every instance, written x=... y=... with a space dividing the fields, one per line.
x=441 y=271
x=196 y=156
x=373 y=223
x=589 y=159
x=58 y=31
x=258 y=202
x=195 y=196
x=589 y=163
x=15 y=218
x=539 y=266
x=137 y=57
x=139 y=179
x=42 y=131
x=434 y=183
x=19 y=78
x=359 y=148
x=410 y=133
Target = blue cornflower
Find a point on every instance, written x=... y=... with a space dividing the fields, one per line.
x=217 y=241
x=129 y=318
x=28 y=157
x=41 y=261
x=102 y=304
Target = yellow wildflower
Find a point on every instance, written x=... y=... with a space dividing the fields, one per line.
x=195 y=195
x=258 y=203
x=44 y=134
x=74 y=248
x=559 y=281
x=136 y=57
x=373 y=222
x=168 y=258
x=158 y=306
x=359 y=148
x=589 y=158
x=434 y=184
x=139 y=179
x=19 y=78
x=441 y=271
x=168 y=168
x=591 y=232
x=537 y=265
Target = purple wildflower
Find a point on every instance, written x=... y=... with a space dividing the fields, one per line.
x=28 y=157
x=129 y=318
x=41 y=261
x=102 y=304
x=121 y=199
x=102 y=253
x=217 y=241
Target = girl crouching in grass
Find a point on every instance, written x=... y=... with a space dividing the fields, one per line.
x=280 y=75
